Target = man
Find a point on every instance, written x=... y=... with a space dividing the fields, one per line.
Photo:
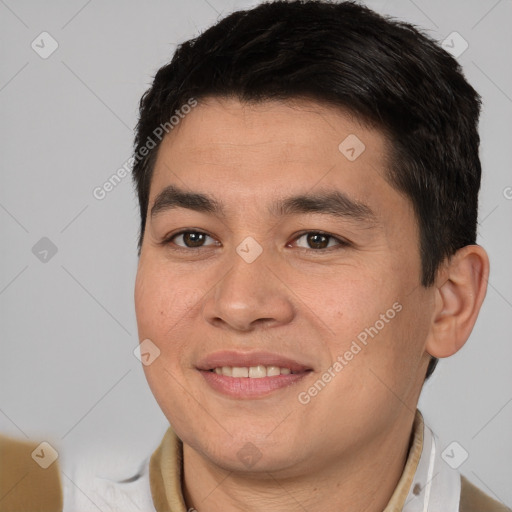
x=308 y=179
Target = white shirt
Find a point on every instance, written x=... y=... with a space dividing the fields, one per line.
x=86 y=488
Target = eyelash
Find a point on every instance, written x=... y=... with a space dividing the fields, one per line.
x=340 y=242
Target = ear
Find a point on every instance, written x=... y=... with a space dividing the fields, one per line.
x=461 y=285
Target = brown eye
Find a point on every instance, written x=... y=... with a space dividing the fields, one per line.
x=193 y=239
x=190 y=239
x=315 y=240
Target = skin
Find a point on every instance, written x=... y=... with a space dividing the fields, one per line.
x=347 y=447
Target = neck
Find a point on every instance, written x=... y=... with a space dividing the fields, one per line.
x=363 y=481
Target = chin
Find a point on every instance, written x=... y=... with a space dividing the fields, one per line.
x=242 y=452
x=250 y=459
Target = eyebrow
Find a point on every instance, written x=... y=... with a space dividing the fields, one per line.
x=327 y=202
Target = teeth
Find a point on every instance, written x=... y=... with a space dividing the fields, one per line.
x=252 y=372
x=272 y=371
x=257 y=372
x=240 y=371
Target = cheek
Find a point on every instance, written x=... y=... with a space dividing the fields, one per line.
x=352 y=304
x=373 y=323
x=162 y=302
x=394 y=354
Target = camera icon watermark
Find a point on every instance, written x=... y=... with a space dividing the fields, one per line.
x=45 y=455
x=351 y=147
x=44 y=45
x=454 y=455
x=249 y=455
x=455 y=44
x=249 y=249
x=146 y=352
x=44 y=250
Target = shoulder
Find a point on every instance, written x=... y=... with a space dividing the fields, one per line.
x=29 y=476
x=472 y=499
x=109 y=481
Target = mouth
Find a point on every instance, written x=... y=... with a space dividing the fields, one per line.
x=252 y=372
x=250 y=375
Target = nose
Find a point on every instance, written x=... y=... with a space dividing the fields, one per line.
x=249 y=295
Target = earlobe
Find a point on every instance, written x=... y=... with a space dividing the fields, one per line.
x=461 y=287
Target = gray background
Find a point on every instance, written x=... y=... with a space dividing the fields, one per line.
x=67 y=371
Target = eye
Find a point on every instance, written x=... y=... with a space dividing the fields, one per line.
x=189 y=239
x=312 y=240
x=318 y=240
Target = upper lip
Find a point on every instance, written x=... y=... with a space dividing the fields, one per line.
x=247 y=359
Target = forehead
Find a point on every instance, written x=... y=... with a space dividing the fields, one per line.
x=246 y=152
x=296 y=126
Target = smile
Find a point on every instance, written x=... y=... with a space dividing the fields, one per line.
x=252 y=372
x=250 y=375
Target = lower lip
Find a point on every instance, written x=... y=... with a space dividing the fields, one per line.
x=245 y=387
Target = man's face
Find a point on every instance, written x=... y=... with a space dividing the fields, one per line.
x=301 y=287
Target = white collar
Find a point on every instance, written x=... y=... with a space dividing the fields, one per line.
x=435 y=486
